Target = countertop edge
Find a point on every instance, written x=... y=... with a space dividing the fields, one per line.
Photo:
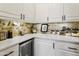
x=19 y=39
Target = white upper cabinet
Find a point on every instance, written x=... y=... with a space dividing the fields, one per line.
x=71 y=11
x=42 y=12
x=16 y=9
x=29 y=11
x=11 y=10
x=55 y=12
x=49 y=12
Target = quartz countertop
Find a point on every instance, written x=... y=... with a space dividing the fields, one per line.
x=18 y=39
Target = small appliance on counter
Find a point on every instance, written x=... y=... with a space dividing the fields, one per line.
x=44 y=28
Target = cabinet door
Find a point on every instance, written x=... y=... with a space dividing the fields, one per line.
x=11 y=51
x=43 y=47
x=11 y=10
x=71 y=11
x=55 y=12
x=29 y=11
x=41 y=12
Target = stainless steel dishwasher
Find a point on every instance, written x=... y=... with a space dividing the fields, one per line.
x=26 y=48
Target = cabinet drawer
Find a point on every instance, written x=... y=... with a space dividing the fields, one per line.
x=45 y=41
x=12 y=51
x=67 y=46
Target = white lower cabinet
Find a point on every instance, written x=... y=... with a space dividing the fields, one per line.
x=43 y=47
x=66 y=49
x=11 y=51
x=50 y=47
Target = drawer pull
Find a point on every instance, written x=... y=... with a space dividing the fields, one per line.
x=72 y=48
x=9 y=53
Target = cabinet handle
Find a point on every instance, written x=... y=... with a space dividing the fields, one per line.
x=72 y=48
x=21 y=15
x=63 y=17
x=9 y=53
x=47 y=18
x=53 y=46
